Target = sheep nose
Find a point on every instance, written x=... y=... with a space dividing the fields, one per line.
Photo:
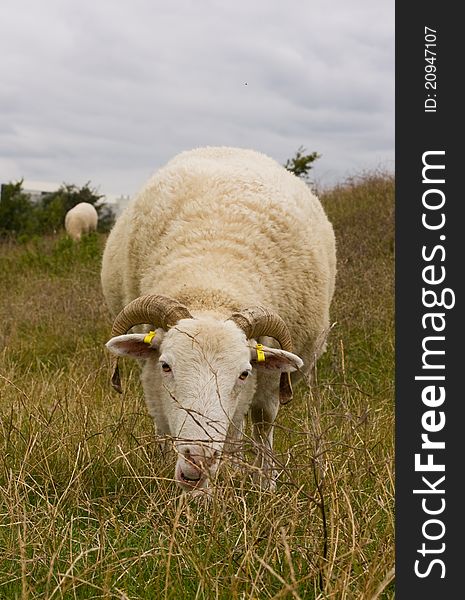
x=198 y=455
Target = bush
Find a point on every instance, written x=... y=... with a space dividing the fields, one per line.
x=16 y=211
x=301 y=164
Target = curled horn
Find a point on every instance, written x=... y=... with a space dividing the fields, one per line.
x=257 y=321
x=159 y=311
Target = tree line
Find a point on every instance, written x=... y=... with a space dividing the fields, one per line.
x=22 y=218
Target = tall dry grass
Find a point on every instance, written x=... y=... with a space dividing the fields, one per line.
x=87 y=505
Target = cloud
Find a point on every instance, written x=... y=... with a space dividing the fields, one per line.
x=110 y=91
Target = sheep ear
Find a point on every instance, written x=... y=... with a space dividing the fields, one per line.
x=136 y=345
x=268 y=359
x=274 y=359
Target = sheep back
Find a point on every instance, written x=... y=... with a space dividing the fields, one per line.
x=222 y=229
x=82 y=218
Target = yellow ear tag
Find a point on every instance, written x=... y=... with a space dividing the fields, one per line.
x=149 y=337
x=260 y=353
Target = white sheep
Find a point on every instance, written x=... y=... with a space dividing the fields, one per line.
x=82 y=218
x=221 y=251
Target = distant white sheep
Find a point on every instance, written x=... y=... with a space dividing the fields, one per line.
x=220 y=252
x=80 y=219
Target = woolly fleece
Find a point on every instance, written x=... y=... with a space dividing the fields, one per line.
x=220 y=229
x=80 y=219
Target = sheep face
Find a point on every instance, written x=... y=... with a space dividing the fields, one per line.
x=199 y=380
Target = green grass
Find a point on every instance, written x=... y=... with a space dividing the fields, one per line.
x=87 y=505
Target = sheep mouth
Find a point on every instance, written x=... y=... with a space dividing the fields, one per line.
x=190 y=480
x=190 y=477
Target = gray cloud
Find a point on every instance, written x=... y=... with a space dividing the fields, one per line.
x=109 y=91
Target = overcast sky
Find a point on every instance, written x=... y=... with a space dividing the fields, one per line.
x=109 y=90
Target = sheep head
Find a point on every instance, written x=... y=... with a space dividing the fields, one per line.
x=200 y=374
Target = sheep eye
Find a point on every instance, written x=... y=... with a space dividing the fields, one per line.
x=165 y=367
x=244 y=375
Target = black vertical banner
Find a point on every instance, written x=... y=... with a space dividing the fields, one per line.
x=430 y=324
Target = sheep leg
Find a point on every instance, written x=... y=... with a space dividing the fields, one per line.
x=263 y=414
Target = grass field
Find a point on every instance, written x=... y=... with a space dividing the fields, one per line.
x=87 y=507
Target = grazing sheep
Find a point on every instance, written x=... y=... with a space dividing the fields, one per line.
x=80 y=219
x=223 y=253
